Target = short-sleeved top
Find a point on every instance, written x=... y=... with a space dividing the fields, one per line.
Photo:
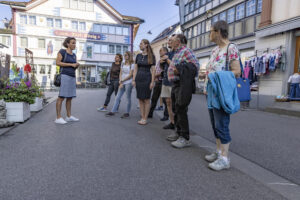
x=115 y=71
x=126 y=69
x=142 y=62
x=70 y=58
x=217 y=60
x=166 y=82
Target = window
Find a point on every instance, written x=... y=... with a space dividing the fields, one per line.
x=203 y=27
x=81 y=4
x=208 y=25
x=125 y=31
x=58 y=23
x=49 y=22
x=97 y=28
x=89 y=51
x=82 y=47
x=32 y=20
x=222 y=1
x=186 y=9
x=58 y=44
x=249 y=25
x=125 y=48
x=112 y=49
x=238 y=29
x=189 y=33
x=90 y=5
x=191 y=6
x=74 y=25
x=74 y=4
x=259 y=6
x=223 y=16
x=42 y=69
x=49 y=69
x=230 y=31
x=195 y=31
x=197 y=4
x=215 y=19
x=23 y=19
x=24 y=42
x=97 y=48
x=82 y=26
x=240 y=11
x=230 y=15
x=119 y=30
x=104 y=48
x=112 y=30
x=104 y=29
x=250 y=8
x=215 y=3
x=118 y=49
x=258 y=19
x=199 y=28
x=5 y=40
x=33 y=69
x=41 y=43
x=203 y=2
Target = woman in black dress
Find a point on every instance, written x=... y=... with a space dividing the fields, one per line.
x=143 y=78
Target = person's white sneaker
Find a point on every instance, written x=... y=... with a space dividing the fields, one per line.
x=220 y=164
x=181 y=142
x=212 y=157
x=72 y=119
x=60 y=121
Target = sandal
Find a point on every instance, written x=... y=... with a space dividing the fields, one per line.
x=142 y=122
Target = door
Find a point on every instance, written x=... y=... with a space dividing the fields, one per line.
x=297 y=56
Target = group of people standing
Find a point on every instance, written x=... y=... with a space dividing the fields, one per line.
x=172 y=77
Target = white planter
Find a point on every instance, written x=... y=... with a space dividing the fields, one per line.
x=17 y=111
x=37 y=106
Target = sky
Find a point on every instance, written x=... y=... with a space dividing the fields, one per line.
x=158 y=15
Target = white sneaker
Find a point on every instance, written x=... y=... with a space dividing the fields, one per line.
x=60 y=121
x=72 y=119
x=212 y=157
x=181 y=142
x=219 y=164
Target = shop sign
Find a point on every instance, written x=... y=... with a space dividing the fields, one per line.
x=92 y=36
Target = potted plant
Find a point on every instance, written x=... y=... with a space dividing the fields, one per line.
x=18 y=96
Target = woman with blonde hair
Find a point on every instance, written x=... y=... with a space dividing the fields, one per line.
x=125 y=85
x=143 y=78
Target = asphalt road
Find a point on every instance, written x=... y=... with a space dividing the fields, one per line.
x=111 y=158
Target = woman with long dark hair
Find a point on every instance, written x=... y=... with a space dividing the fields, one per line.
x=114 y=81
x=143 y=78
x=67 y=61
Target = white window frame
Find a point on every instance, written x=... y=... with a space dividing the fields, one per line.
x=240 y=11
x=26 y=46
x=73 y=22
x=97 y=48
x=48 y=20
x=56 y=23
x=104 y=48
x=23 y=17
x=231 y=15
x=30 y=20
x=82 y=28
x=44 y=45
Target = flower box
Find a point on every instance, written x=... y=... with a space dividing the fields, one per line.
x=37 y=106
x=17 y=111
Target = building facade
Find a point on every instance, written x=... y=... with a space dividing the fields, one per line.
x=42 y=25
x=162 y=39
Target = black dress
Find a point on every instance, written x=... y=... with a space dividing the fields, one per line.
x=143 y=77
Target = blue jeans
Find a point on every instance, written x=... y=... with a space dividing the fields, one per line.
x=128 y=89
x=220 y=123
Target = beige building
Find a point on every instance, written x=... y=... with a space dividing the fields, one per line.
x=280 y=27
x=162 y=39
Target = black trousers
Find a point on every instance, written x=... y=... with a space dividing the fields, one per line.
x=180 y=114
x=113 y=87
x=155 y=96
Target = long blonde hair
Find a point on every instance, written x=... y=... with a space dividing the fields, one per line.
x=130 y=60
x=149 y=52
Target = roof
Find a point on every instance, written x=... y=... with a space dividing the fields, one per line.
x=128 y=19
x=165 y=33
x=6 y=31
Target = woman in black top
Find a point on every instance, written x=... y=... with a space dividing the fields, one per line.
x=143 y=78
x=67 y=61
x=114 y=81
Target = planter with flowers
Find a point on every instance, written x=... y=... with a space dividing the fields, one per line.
x=18 y=97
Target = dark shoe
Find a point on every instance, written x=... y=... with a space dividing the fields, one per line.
x=169 y=126
x=150 y=116
x=125 y=115
x=109 y=114
x=164 y=118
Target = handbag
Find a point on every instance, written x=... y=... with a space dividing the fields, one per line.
x=107 y=79
x=57 y=77
x=243 y=84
